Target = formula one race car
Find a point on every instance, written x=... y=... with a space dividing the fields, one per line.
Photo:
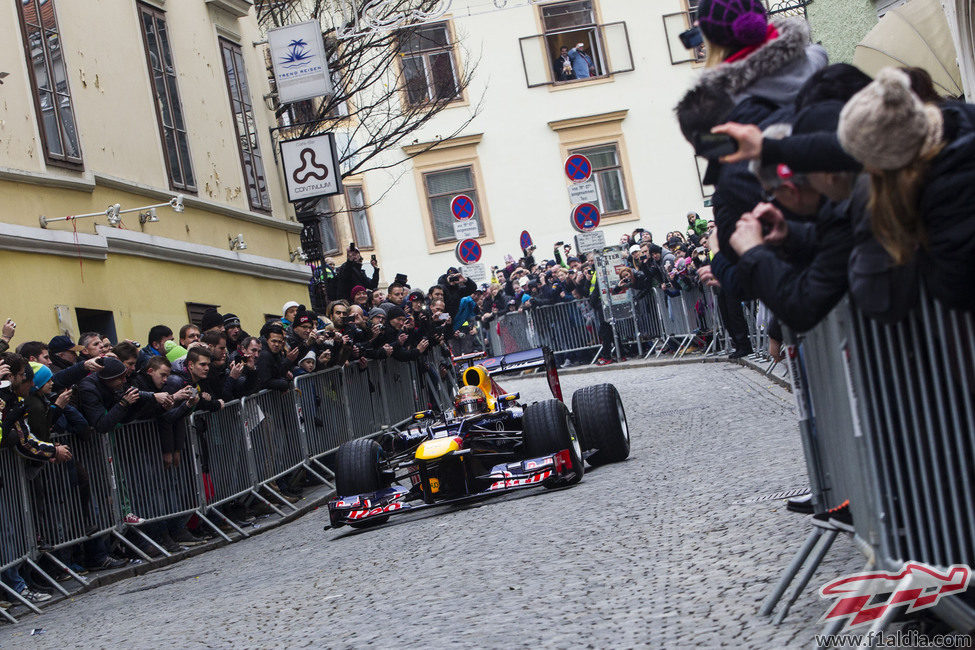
x=487 y=444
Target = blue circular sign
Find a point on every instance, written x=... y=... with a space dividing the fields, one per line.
x=468 y=251
x=526 y=240
x=585 y=217
x=578 y=168
x=462 y=207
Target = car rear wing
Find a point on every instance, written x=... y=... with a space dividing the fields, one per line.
x=515 y=362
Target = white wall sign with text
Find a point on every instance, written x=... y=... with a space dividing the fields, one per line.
x=299 y=63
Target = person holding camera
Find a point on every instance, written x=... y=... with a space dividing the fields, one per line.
x=351 y=274
x=455 y=287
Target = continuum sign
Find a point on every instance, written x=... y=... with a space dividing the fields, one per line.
x=311 y=167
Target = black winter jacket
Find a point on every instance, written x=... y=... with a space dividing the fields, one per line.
x=802 y=294
x=349 y=275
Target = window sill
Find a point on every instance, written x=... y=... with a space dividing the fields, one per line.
x=578 y=83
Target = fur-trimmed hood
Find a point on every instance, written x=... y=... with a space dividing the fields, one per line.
x=773 y=72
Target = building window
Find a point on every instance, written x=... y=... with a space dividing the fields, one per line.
x=607 y=171
x=605 y=48
x=49 y=79
x=169 y=110
x=246 y=127
x=320 y=211
x=195 y=310
x=441 y=188
x=355 y=201
x=429 y=68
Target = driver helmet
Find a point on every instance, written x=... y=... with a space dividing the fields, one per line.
x=470 y=401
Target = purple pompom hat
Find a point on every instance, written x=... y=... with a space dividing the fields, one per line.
x=734 y=24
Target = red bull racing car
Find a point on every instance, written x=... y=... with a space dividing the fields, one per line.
x=489 y=443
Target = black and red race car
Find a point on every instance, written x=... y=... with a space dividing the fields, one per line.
x=489 y=443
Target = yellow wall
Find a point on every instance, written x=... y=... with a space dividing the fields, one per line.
x=140 y=292
x=22 y=204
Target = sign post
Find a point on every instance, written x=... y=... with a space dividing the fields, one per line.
x=616 y=306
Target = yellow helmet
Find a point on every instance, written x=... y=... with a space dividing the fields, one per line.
x=470 y=400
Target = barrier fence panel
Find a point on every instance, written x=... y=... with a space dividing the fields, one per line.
x=72 y=501
x=224 y=446
x=271 y=421
x=146 y=486
x=322 y=399
x=399 y=386
x=363 y=406
x=565 y=327
x=16 y=530
x=915 y=382
x=515 y=333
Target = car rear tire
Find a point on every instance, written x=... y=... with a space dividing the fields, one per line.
x=358 y=466
x=601 y=421
x=548 y=429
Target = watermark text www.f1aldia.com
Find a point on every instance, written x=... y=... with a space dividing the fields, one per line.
x=898 y=639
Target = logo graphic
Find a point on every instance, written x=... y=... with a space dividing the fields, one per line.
x=308 y=165
x=917 y=585
x=298 y=55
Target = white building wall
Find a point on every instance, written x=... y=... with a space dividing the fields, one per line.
x=519 y=153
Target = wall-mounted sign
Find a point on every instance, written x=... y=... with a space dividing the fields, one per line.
x=299 y=63
x=311 y=167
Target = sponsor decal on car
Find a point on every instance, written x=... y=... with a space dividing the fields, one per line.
x=365 y=514
x=515 y=482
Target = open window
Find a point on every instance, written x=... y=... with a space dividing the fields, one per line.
x=674 y=25
x=555 y=56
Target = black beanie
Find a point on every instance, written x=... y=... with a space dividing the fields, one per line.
x=211 y=318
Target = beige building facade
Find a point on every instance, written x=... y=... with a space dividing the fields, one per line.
x=526 y=121
x=118 y=102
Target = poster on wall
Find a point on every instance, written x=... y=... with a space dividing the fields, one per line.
x=299 y=63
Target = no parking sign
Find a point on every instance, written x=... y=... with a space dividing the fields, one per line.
x=526 y=240
x=578 y=168
x=468 y=251
x=585 y=217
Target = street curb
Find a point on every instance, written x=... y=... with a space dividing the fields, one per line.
x=653 y=363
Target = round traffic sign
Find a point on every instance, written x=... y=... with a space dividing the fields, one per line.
x=526 y=240
x=468 y=251
x=578 y=168
x=585 y=217
x=462 y=207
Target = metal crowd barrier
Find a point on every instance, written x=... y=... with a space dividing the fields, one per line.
x=240 y=451
x=887 y=419
x=659 y=320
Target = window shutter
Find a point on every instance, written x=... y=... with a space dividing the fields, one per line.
x=534 y=58
x=616 y=41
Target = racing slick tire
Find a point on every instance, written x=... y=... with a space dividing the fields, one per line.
x=357 y=471
x=548 y=429
x=601 y=422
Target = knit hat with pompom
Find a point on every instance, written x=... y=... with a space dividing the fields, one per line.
x=734 y=24
x=886 y=126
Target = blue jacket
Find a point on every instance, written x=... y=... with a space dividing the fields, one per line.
x=466 y=313
x=581 y=63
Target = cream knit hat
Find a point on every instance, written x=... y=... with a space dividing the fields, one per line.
x=886 y=126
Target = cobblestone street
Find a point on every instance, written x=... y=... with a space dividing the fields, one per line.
x=661 y=551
